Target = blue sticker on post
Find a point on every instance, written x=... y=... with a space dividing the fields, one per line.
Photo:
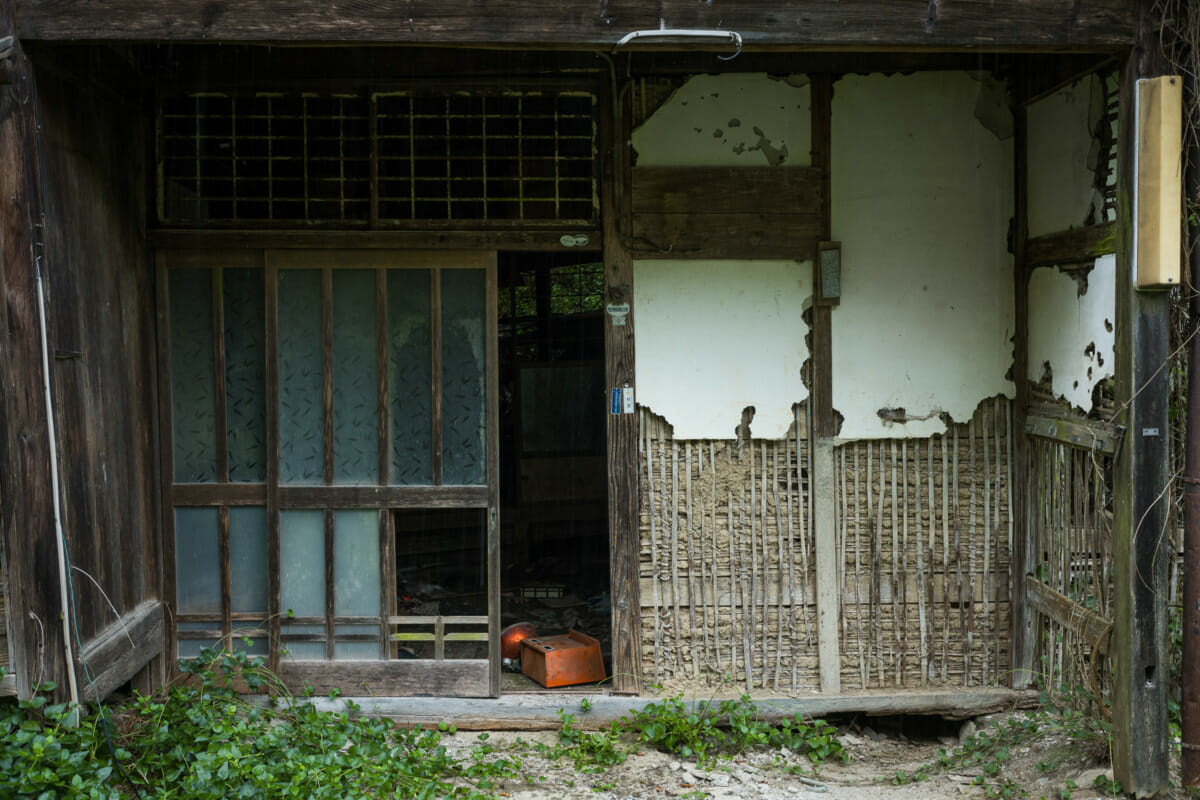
x=616 y=402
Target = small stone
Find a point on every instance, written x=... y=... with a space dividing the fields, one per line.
x=850 y=740
x=949 y=741
x=870 y=733
x=1086 y=780
x=968 y=729
x=675 y=765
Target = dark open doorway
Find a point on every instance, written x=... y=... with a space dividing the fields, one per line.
x=553 y=484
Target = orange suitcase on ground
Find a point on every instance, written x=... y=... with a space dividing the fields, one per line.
x=562 y=660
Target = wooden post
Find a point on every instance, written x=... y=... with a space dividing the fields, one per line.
x=624 y=537
x=1024 y=619
x=1141 y=479
x=26 y=513
x=824 y=486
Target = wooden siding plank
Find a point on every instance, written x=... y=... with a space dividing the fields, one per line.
x=122 y=649
x=725 y=190
x=702 y=235
x=413 y=677
x=1105 y=24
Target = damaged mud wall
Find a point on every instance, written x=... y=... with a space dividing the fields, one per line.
x=923 y=535
x=1072 y=178
x=921 y=201
x=727 y=571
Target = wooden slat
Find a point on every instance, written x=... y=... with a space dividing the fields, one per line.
x=330 y=625
x=1091 y=627
x=1074 y=246
x=431 y=620
x=492 y=409
x=408 y=677
x=220 y=406
x=122 y=649
x=381 y=372
x=327 y=369
x=271 y=347
x=202 y=241
x=772 y=191
x=435 y=366
x=383 y=496
x=1104 y=24
x=1085 y=434
x=166 y=454
x=351 y=257
x=211 y=494
x=703 y=235
x=624 y=536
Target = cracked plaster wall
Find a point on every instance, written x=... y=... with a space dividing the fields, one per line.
x=922 y=196
x=1069 y=332
x=1062 y=157
x=1073 y=332
x=716 y=336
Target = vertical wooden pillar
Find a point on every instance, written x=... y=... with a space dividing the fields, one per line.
x=1024 y=618
x=821 y=419
x=623 y=539
x=1141 y=478
x=26 y=505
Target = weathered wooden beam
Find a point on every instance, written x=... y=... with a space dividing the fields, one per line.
x=1140 y=476
x=726 y=190
x=408 y=678
x=1082 y=24
x=781 y=236
x=1101 y=437
x=121 y=650
x=624 y=513
x=550 y=239
x=1083 y=622
x=1075 y=246
x=540 y=710
x=26 y=515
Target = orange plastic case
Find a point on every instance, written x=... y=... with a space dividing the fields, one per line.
x=562 y=660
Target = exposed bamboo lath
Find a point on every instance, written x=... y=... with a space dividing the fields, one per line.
x=726 y=561
x=923 y=535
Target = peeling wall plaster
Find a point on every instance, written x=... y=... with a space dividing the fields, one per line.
x=922 y=195
x=1062 y=154
x=1073 y=332
x=716 y=336
x=747 y=120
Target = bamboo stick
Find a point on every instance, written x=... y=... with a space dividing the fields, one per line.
x=779 y=605
x=752 y=601
x=987 y=537
x=921 y=577
x=903 y=588
x=877 y=577
x=971 y=533
x=791 y=561
x=653 y=545
x=691 y=558
x=734 y=603
x=766 y=558
x=862 y=661
x=703 y=566
x=897 y=630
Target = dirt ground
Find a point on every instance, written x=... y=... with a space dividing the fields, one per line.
x=1054 y=767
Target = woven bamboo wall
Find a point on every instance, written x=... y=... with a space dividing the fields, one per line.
x=726 y=560
x=923 y=536
x=924 y=539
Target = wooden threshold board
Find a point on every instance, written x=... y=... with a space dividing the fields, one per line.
x=540 y=710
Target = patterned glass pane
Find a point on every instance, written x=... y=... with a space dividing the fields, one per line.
x=245 y=374
x=356 y=563
x=197 y=562
x=301 y=409
x=355 y=378
x=248 y=559
x=410 y=377
x=356 y=651
x=303 y=651
x=302 y=563
x=193 y=394
x=464 y=360
x=190 y=648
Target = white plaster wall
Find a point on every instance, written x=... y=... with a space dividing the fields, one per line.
x=922 y=195
x=1061 y=193
x=730 y=120
x=716 y=336
x=1073 y=332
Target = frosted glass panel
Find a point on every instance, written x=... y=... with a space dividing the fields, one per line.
x=356 y=651
x=193 y=393
x=248 y=559
x=355 y=378
x=303 y=651
x=464 y=359
x=190 y=648
x=410 y=377
x=302 y=563
x=301 y=409
x=356 y=563
x=245 y=374
x=197 y=562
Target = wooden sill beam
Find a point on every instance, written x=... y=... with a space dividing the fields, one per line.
x=540 y=710
x=1098 y=25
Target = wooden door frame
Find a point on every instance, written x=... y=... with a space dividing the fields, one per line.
x=385 y=676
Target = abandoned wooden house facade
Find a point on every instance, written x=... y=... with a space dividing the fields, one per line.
x=787 y=344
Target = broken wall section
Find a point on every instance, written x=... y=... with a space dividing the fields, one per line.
x=715 y=337
x=922 y=196
x=1072 y=307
